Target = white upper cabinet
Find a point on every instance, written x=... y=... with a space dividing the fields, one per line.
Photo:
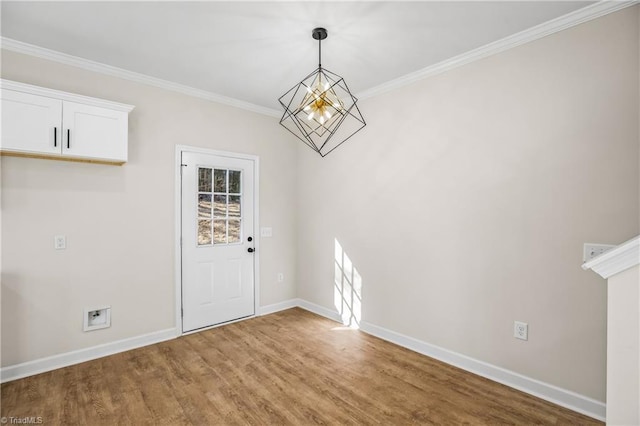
x=31 y=123
x=39 y=122
x=92 y=132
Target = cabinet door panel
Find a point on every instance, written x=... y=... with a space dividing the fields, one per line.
x=93 y=132
x=29 y=122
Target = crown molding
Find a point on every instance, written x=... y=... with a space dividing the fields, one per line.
x=569 y=20
x=561 y=23
x=75 y=61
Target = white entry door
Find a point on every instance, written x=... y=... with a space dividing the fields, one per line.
x=217 y=239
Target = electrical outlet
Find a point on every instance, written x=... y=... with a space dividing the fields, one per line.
x=593 y=250
x=280 y=277
x=521 y=330
x=60 y=242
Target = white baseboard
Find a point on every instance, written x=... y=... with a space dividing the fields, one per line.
x=42 y=365
x=548 y=392
x=319 y=310
x=54 y=362
x=277 y=307
x=551 y=393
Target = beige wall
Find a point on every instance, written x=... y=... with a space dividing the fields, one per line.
x=119 y=221
x=623 y=348
x=465 y=202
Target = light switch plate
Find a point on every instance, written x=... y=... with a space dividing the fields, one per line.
x=266 y=232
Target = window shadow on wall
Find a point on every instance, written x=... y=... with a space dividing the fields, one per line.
x=347 y=291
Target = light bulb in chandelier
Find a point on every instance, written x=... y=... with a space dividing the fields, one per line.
x=321 y=102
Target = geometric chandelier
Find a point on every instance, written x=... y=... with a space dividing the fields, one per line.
x=320 y=110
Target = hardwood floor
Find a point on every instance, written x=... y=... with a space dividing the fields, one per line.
x=292 y=367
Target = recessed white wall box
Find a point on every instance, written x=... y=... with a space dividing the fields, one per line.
x=521 y=330
x=593 y=250
x=97 y=318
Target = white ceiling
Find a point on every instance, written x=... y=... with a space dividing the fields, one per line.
x=255 y=51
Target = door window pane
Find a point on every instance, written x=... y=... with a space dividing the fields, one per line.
x=220 y=180
x=234 y=181
x=204 y=179
x=234 y=231
x=219 y=231
x=220 y=206
x=234 y=206
x=204 y=232
x=204 y=206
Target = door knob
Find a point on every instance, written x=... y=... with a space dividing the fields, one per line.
x=250 y=239
x=251 y=250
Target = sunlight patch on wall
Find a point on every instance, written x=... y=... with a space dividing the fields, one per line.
x=347 y=291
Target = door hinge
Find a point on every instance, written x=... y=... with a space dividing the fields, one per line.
x=181 y=312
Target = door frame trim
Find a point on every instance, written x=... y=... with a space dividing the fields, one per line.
x=178 y=226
